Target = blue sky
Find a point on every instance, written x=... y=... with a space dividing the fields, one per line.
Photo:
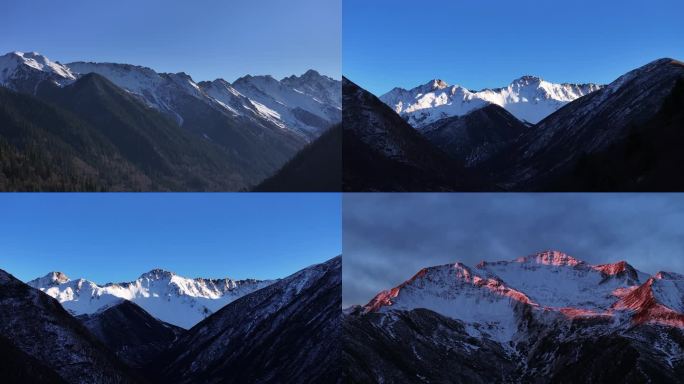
x=388 y=237
x=480 y=44
x=207 y=39
x=117 y=237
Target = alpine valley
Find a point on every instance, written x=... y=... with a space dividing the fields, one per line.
x=543 y=318
x=163 y=328
x=531 y=135
x=119 y=127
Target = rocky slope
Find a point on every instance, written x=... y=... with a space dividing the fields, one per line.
x=476 y=136
x=285 y=333
x=131 y=333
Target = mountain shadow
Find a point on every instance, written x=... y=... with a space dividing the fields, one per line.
x=316 y=168
x=382 y=152
x=287 y=332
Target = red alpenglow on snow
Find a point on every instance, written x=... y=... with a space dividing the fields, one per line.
x=550 y=283
x=658 y=300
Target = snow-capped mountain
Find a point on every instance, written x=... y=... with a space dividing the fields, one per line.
x=528 y=98
x=305 y=105
x=547 y=317
x=548 y=282
x=171 y=298
x=23 y=71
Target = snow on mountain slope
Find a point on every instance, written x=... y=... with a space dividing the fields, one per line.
x=157 y=90
x=528 y=98
x=554 y=279
x=260 y=97
x=171 y=298
x=660 y=300
x=305 y=103
x=454 y=290
x=322 y=88
x=22 y=71
x=549 y=283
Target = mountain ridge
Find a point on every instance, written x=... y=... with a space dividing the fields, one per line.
x=528 y=98
x=169 y=297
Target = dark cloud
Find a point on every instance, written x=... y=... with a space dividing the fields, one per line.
x=388 y=237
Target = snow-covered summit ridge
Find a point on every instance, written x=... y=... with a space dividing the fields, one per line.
x=169 y=297
x=528 y=98
x=51 y=279
x=549 y=282
x=11 y=62
x=19 y=68
x=306 y=104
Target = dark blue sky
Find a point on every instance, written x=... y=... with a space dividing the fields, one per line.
x=479 y=44
x=389 y=237
x=207 y=39
x=117 y=237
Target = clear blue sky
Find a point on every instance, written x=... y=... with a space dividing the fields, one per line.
x=479 y=44
x=117 y=237
x=207 y=39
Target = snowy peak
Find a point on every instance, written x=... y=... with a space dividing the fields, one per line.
x=165 y=295
x=621 y=268
x=309 y=104
x=528 y=98
x=24 y=71
x=433 y=85
x=51 y=279
x=35 y=61
x=555 y=258
x=157 y=274
x=527 y=80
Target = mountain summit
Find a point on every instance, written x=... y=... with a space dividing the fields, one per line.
x=169 y=297
x=528 y=98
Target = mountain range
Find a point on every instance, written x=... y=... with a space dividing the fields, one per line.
x=174 y=299
x=547 y=317
x=257 y=338
x=529 y=99
x=108 y=126
x=532 y=135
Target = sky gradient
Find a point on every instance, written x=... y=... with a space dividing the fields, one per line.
x=207 y=39
x=483 y=44
x=117 y=237
x=387 y=238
